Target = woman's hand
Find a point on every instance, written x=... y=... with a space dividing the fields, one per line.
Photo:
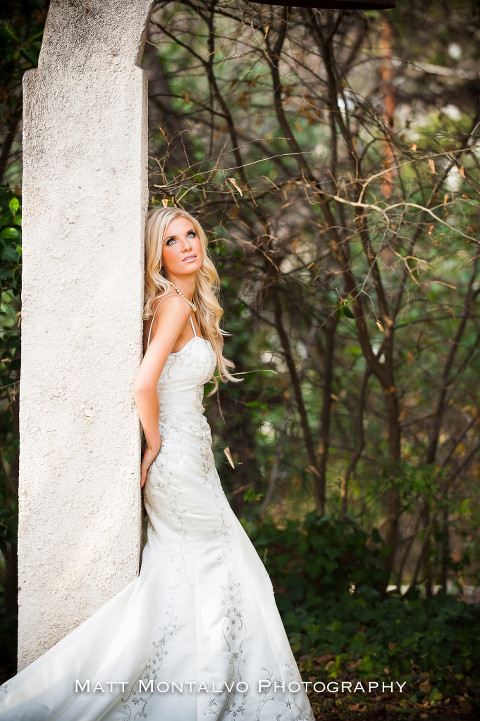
x=149 y=456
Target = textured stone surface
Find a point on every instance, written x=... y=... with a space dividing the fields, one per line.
x=85 y=197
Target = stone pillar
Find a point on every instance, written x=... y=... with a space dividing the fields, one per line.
x=85 y=196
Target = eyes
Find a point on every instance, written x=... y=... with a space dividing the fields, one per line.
x=190 y=234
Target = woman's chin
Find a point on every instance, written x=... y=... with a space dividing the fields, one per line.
x=188 y=269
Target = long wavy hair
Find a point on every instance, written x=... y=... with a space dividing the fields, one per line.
x=207 y=284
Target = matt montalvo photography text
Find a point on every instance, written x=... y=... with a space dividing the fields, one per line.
x=262 y=686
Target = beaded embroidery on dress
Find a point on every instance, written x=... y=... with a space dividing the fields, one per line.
x=197 y=636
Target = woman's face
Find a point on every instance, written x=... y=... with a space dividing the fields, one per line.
x=182 y=253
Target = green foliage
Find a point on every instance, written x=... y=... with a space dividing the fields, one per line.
x=8 y=634
x=21 y=42
x=327 y=573
x=10 y=285
x=319 y=559
x=8 y=523
x=10 y=279
x=250 y=495
x=436 y=636
x=10 y=288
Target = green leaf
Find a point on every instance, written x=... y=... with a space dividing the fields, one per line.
x=36 y=34
x=6 y=30
x=9 y=233
x=14 y=205
x=7 y=253
x=250 y=495
x=29 y=55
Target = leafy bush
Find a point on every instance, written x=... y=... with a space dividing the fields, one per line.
x=314 y=562
x=329 y=577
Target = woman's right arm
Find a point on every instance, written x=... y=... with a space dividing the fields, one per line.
x=169 y=322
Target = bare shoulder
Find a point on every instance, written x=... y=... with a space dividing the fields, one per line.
x=171 y=317
x=172 y=306
x=170 y=320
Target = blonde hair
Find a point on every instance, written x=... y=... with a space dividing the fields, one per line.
x=207 y=284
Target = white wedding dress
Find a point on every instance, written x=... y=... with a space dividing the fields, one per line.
x=198 y=634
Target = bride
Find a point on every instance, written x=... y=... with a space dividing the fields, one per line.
x=198 y=634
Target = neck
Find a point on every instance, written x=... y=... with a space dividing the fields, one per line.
x=186 y=285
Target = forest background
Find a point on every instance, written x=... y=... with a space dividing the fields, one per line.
x=333 y=158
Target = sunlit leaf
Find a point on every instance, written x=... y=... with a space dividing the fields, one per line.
x=9 y=233
x=235 y=185
x=229 y=456
x=14 y=205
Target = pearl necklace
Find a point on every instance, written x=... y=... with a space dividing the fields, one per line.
x=190 y=303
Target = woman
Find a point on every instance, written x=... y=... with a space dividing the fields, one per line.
x=197 y=634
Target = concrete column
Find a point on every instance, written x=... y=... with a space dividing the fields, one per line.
x=85 y=195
